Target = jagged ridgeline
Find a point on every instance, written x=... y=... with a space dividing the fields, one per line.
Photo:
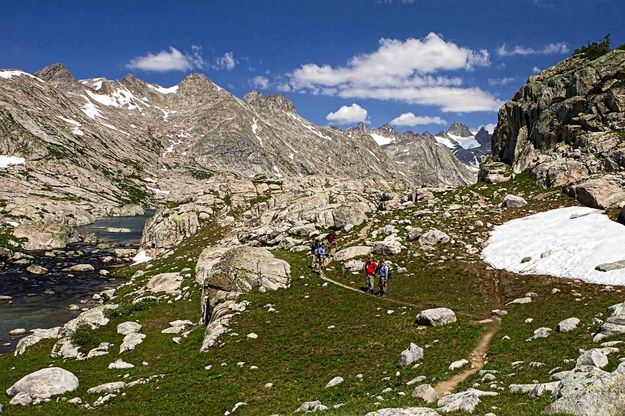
x=97 y=140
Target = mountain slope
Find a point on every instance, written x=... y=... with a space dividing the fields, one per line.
x=465 y=145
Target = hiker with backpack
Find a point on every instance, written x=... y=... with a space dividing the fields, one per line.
x=384 y=271
x=320 y=255
x=313 y=253
x=331 y=240
x=370 y=268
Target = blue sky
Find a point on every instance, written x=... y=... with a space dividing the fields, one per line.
x=434 y=61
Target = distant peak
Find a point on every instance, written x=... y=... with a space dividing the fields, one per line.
x=56 y=73
x=459 y=129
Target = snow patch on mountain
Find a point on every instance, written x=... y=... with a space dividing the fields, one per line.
x=6 y=161
x=90 y=109
x=566 y=242
x=382 y=140
x=164 y=90
x=121 y=98
x=8 y=74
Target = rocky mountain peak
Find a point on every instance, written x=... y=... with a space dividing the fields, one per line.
x=459 y=129
x=270 y=102
x=387 y=129
x=57 y=74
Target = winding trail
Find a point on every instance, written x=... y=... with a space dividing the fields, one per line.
x=477 y=356
x=476 y=359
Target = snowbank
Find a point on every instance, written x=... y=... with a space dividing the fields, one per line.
x=141 y=257
x=6 y=161
x=566 y=242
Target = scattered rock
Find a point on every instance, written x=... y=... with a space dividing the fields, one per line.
x=36 y=269
x=434 y=237
x=513 y=201
x=335 y=382
x=164 y=282
x=45 y=383
x=311 y=407
x=425 y=392
x=567 y=325
x=410 y=355
x=128 y=327
x=436 y=317
x=456 y=365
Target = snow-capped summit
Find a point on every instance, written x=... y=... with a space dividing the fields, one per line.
x=466 y=146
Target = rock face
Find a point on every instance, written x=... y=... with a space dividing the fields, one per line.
x=436 y=317
x=566 y=124
x=352 y=252
x=164 y=282
x=45 y=383
x=46 y=236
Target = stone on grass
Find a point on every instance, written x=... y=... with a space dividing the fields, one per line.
x=594 y=357
x=410 y=355
x=120 y=365
x=521 y=301
x=513 y=201
x=352 y=253
x=543 y=332
x=425 y=392
x=456 y=365
x=311 y=407
x=567 y=325
x=112 y=387
x=45 y=383
x=407 y=411
x=434 y=237
x=335 y=382
x=164 y=282
x=464 y=401
x=131 y=341
x=128 y=327
x=436 y=317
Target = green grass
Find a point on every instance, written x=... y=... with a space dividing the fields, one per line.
x=298 y=352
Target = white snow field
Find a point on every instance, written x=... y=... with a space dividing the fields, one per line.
x=565 y=242
x=6 y=161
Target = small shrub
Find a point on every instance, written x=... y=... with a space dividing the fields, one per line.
x=128 y=309
x=85 y=338
x=594 y=50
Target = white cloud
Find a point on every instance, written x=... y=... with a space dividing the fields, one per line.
x=226 y=62
x=549 y=49
x=348 y=115
x=260 y=82
x=536 y=70
x=494 y=82
x=169 y=60
x=407 y=71
x=409 y=119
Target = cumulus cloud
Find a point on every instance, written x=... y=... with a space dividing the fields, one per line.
x=169 y=60
x=494 y=82
x=549 y=49
x=407 y=71
x=260 y=82
x=409 y=119
x=536 y=70
x=348 y=114
x=490 y=127
x=226 y=62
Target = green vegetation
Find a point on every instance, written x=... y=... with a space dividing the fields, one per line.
x=198 y=173
x=594 y=50
x=320 y=330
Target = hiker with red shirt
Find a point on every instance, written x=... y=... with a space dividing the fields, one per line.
x=331 y=240
x=370 y=268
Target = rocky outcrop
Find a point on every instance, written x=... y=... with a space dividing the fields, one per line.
x=45 y=236
x=238 y=270
x=567 y=126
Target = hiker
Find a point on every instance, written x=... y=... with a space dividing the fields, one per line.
x=320 y=255
x=384 y=271
x=331 y=240
x=313 y=252
x=370 y=268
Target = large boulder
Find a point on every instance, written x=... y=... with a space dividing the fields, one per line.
x=241 y=269
x=387 y=247
x=37 y=335
x=436 y=317
x=164 y=282
x=352 y=252
x=354 y=214
x=513 y=201
x=45 y=383
x=46 y=236
x=464 y=401
x=601 y=193
x=433 y=237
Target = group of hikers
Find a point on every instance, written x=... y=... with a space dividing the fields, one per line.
x=322 y=252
